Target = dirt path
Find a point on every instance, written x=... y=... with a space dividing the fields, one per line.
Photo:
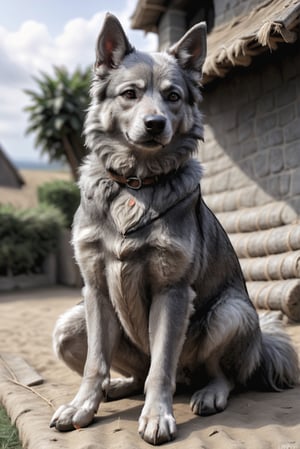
x=251 y=421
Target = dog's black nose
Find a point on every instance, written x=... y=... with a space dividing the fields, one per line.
x=155 y=124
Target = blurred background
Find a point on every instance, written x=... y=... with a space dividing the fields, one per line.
x=37 y=36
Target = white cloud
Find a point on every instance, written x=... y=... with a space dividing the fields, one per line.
x=25 y=46
x=75 y=46
x=31 y=49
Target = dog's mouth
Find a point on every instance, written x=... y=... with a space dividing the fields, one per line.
x=153 y=143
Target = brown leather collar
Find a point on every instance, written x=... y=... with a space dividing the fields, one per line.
x=134 y=182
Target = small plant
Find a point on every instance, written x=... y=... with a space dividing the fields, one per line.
x=64 y=195
x=8 y=433
x=27 y=238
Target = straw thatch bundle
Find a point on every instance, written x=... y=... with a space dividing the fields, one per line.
x=277 y=295
x=257 y=218
x=229 y=200
x=235 y=43
x=263 y=243
x=275 y=267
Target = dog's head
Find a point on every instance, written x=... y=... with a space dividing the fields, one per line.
x=149 y=103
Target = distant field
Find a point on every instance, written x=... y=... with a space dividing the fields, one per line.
x=27 y=195
x=39 y=165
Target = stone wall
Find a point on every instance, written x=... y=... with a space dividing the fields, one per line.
x=172 y=27
x=253 y=130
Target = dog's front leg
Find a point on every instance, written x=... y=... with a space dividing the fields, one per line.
x=168 y=321
x=103 y=333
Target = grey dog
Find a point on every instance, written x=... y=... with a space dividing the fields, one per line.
x=165 y=301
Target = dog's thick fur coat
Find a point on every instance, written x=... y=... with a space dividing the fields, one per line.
x=165 y=302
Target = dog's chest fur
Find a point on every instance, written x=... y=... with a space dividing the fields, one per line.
x=144 y=244
x=136 y=272
x=143 y=258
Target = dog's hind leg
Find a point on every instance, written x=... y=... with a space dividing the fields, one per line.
x=129 y=361
x=70 y=338
x=230 y=351
x=214 y=396
x=70 y=345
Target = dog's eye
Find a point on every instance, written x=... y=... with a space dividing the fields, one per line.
x=129 y=94
x=173 y=96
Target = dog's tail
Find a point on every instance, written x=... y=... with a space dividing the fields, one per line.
x=279 y=366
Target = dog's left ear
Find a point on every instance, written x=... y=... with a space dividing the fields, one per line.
x=112 y=44
x=190 y=50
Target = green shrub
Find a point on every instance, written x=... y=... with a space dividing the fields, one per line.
x=8 y=433
x=62 y=194
x=27 y=237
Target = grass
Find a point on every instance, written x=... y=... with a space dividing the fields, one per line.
x=9 y=438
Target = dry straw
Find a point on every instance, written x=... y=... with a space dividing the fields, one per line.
x=263 y=28
x=277 y=295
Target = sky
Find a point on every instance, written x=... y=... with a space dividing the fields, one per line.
x=37 y=34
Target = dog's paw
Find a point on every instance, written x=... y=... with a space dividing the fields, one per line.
x=209 y=401
x=69 y=417
x=157 y=428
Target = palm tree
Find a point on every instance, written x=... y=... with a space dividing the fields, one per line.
x=56 y=115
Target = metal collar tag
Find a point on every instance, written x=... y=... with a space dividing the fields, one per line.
x=134 y=183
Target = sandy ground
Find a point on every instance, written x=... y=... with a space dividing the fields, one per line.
x=252 y=420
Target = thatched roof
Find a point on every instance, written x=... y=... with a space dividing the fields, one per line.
x=9 y=175
x=147 y=14
x=237 y=42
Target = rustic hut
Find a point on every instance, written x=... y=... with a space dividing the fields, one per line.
x=9 y=175
x=251 y=155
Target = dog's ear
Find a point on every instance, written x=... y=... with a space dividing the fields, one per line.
x=112 y=44
x=190 y=50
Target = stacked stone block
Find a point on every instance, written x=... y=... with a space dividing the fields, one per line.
x=253 y=130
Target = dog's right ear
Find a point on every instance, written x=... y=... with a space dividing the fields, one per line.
x=112 y=44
